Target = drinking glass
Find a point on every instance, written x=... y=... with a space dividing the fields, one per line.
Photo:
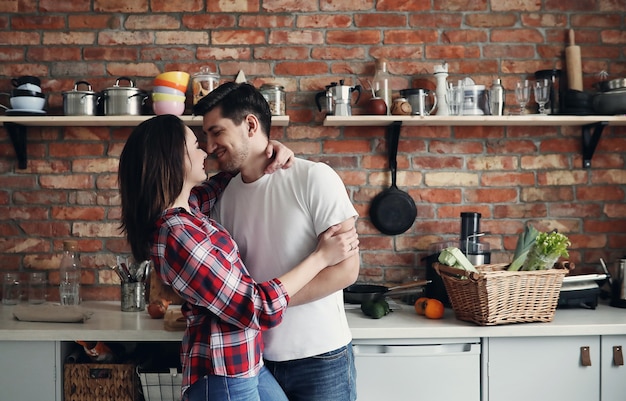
x=454 y=98
x=542 y=94
x=522 y=95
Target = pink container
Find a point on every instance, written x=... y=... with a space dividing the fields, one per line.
x=168 y=107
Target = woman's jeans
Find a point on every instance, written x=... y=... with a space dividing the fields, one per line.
x=330 y=376
x=220 y=388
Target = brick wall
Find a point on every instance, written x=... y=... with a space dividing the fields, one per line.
x=511 y=175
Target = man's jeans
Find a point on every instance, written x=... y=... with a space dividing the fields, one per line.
x=219 y=388
x=325 y=377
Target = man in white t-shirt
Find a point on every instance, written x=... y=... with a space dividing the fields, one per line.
x=275 y=219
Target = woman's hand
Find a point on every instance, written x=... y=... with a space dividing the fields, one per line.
x=334 y=247
x=282 y=156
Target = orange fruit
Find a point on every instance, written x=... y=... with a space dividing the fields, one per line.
x=420 y=306
x=433 y=309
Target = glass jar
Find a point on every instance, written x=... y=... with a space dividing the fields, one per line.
x=204 y=82
x=275 y=96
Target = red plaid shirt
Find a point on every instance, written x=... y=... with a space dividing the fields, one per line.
x=225 y=308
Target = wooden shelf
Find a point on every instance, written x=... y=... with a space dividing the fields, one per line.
x=107 y=121
x=452 y=121
x=16 y=126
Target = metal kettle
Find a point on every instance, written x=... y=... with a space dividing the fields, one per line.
x=329 y=102
x=338 y=98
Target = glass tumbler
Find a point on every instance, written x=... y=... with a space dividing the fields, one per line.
x=11 y=288
x=37 y=288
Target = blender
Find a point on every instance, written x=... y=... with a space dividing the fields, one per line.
x=477 y=253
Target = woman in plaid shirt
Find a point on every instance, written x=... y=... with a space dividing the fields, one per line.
x=226 y=309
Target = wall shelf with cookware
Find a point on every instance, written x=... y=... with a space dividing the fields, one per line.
x=17 y=126
x=592 y=126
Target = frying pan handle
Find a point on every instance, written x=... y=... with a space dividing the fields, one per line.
x=393 y=137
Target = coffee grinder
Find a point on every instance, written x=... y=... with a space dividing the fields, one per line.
x=477 y=253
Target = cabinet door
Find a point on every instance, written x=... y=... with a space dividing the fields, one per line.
x=542 y=369
x=28 y=370
x=613 y=381
x=438 y=372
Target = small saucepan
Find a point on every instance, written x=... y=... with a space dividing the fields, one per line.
x=359 y=293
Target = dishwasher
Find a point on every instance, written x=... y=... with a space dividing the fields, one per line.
x=418 y=369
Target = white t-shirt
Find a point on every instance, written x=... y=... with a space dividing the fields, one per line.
x=276 y=221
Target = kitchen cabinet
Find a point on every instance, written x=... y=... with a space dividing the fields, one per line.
x=576 y=368
x=591 y=126
x=612 y=368
x=430 y=369
x=30 y=370
x=17 y=126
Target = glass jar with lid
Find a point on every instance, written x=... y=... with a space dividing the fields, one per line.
x=275 y=96
x=203 y=82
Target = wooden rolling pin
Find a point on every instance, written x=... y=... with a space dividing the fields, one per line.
x=574 y=66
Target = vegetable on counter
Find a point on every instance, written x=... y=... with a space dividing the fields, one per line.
x=524 y=242
x=546 y=250
x=376 y=309
x=454 y=257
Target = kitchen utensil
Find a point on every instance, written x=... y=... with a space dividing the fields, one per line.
x=167 y=90
x=377 y=106
x=613 y=84
x=359 y=293
x=573 y=62
x=554 y=76
x=441 y=75
x=454 y=98
x=475 y=100
x=170 y=84
x=342 y=98
x=542 y=94
x=610 y=103
x=80 y=102
x=173 y=107
x=400 y=107
x=327 y=96
x=275 y=96
x=177 y=77
x=11 y=288
x=123 y=100
x=422 y=101
x=26 y=79
x=393 y=211
x=27 y=102
x=522 y=95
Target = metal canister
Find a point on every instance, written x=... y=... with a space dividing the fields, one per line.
x=275 y=96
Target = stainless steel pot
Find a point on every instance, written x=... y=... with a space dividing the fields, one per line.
x=80 y=102
x=123 y=100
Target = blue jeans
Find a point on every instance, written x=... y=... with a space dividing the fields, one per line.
x=220 y=388
x=324 y=377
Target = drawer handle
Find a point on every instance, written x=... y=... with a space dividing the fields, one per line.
x=585 y=357
x=618 y=356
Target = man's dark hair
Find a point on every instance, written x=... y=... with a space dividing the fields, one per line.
x=236 y=102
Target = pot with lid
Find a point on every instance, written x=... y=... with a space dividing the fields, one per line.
x=123 y=100
x=80 y=102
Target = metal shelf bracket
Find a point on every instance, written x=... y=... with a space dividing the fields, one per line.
x=590 y=141
x=17 y=133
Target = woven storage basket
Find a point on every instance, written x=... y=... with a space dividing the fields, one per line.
x=100 y=382
x=496 y=296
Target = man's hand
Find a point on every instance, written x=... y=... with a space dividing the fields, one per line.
x=282 y=156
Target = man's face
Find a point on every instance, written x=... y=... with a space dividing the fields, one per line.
x=227 y=142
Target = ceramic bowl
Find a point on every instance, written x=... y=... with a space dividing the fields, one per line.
x=168 y=107
x=170 y=84
x=168 y=90
x=179 y=77
x=27 y=102
x=165 y=96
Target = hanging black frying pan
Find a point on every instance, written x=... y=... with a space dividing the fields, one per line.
x=393 y=211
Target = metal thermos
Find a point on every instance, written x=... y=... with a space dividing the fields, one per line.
x=618 y=298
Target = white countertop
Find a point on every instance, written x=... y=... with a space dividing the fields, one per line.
x=108 y=323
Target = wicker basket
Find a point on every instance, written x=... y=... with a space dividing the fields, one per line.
x=496 y=296
x=100 y=382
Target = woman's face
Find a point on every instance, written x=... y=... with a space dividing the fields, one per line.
x=195 y=172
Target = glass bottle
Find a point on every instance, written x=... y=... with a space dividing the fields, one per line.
x=381 y=82
x=69 y=275
x=496 y=98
